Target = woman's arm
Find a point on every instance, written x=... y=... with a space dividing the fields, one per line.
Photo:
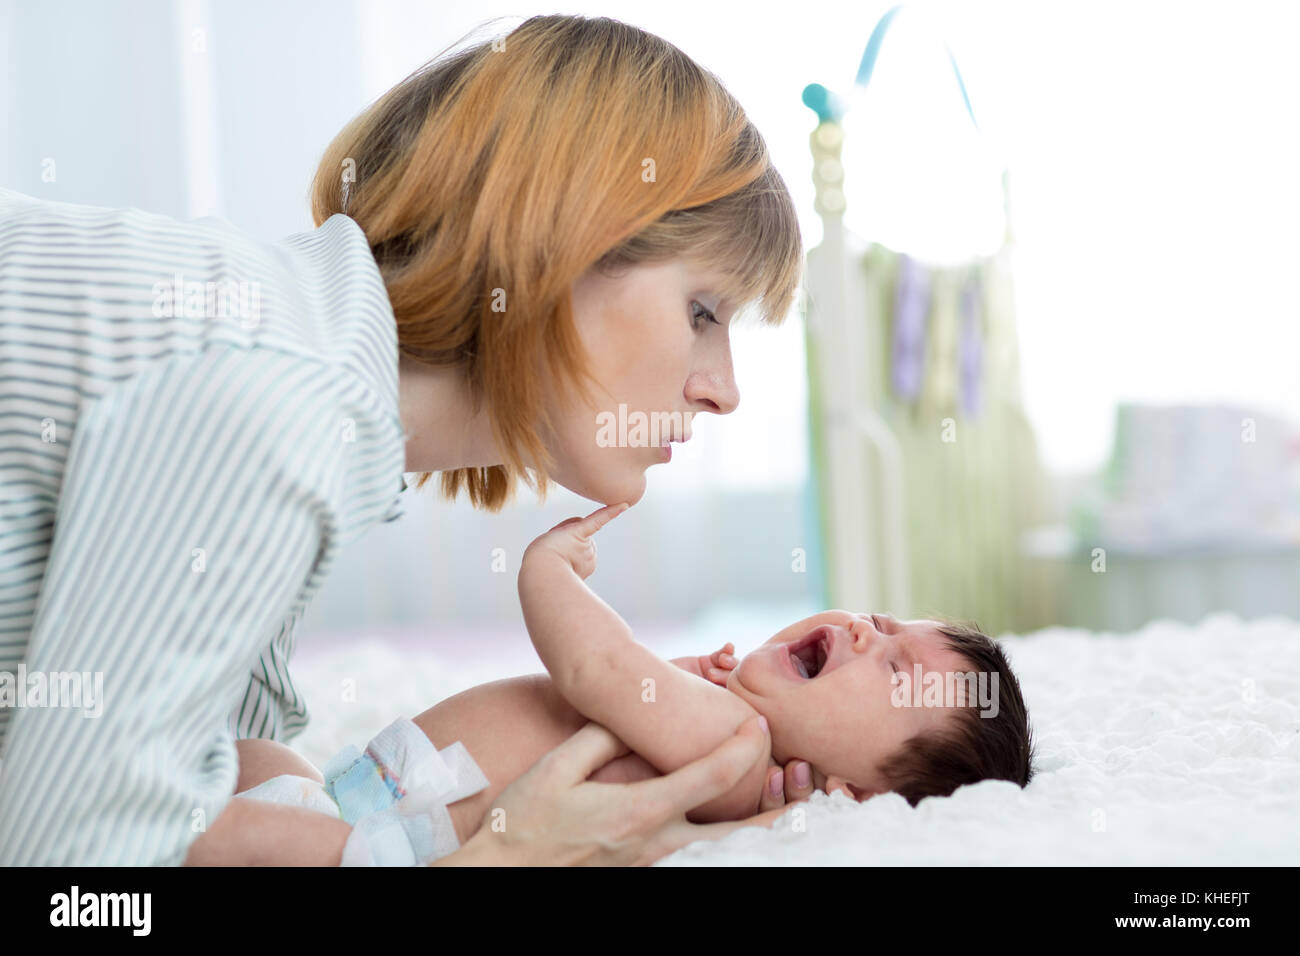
x=195 y=508
x=664 y=713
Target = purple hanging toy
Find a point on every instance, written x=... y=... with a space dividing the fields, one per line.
x=971 y=347
x=911 y=309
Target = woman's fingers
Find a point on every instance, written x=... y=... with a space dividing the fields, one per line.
x=556 y=816
x=706 y=778
x=773 y=790
x=585 y=752
x=787 y=785
x=798 y=780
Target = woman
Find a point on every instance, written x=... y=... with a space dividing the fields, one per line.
x=511 y=241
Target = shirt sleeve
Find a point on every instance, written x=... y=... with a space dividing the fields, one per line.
x=200 y=501
x=270 y=706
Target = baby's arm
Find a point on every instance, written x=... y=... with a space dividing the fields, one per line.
x=665 y=713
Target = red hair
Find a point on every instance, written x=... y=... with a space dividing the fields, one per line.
x=502 y=172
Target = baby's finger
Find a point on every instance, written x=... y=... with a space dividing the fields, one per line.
x=566 y=522
x=600 y=517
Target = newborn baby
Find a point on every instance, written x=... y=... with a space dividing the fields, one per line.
x=855 y=695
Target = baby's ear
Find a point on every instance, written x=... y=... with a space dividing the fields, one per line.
x=834 y=783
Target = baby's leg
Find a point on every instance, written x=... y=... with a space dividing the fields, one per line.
x=252 y=832
x=260 y=760
x=257 y=833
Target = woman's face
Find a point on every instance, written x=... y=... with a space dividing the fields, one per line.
x=658 y=359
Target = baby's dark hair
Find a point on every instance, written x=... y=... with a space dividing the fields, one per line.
x=972 y=748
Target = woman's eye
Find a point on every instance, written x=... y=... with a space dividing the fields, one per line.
x=695 y=316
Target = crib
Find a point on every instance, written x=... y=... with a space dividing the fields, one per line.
x=926 y=475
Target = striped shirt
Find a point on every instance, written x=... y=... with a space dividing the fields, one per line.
x=193 y=422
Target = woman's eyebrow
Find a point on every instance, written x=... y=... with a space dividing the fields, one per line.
x=718 y=292
x=719 y=283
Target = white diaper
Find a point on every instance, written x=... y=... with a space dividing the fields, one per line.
x=394 y=793
x=295 y=792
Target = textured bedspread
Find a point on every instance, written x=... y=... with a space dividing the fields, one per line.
x=1175 y=745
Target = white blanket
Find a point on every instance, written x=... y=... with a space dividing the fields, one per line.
x=1173 y=745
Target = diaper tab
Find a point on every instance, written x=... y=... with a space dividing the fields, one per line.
x=395 y=794
x=406 y=757
x=357 y=784
x=410 y=762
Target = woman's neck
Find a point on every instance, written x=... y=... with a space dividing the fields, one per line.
x=442 y=430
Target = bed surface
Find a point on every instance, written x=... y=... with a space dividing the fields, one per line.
x=1176 y=744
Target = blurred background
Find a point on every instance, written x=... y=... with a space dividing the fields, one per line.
x=1044 y=371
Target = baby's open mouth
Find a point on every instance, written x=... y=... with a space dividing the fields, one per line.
x=808 y=654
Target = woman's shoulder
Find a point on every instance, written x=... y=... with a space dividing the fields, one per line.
x=110 y=299
x=150 y=285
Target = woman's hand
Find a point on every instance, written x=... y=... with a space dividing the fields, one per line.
x=554 y=816
x=785 y=786
x=571 y=539
x=793 y=785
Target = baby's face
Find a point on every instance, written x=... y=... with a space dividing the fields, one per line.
x=840 y=717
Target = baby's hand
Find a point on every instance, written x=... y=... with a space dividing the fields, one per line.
x=571 y=539
x=718 y=666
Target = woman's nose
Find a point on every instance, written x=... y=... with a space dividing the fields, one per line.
x=713 y=392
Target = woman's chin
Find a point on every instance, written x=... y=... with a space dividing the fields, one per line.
x=609 y=491
x=634 y=492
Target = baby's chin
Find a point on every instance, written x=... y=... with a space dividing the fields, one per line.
x=733 y=678
x=737 y=687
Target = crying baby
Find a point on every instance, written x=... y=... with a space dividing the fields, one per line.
x=873 y=704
